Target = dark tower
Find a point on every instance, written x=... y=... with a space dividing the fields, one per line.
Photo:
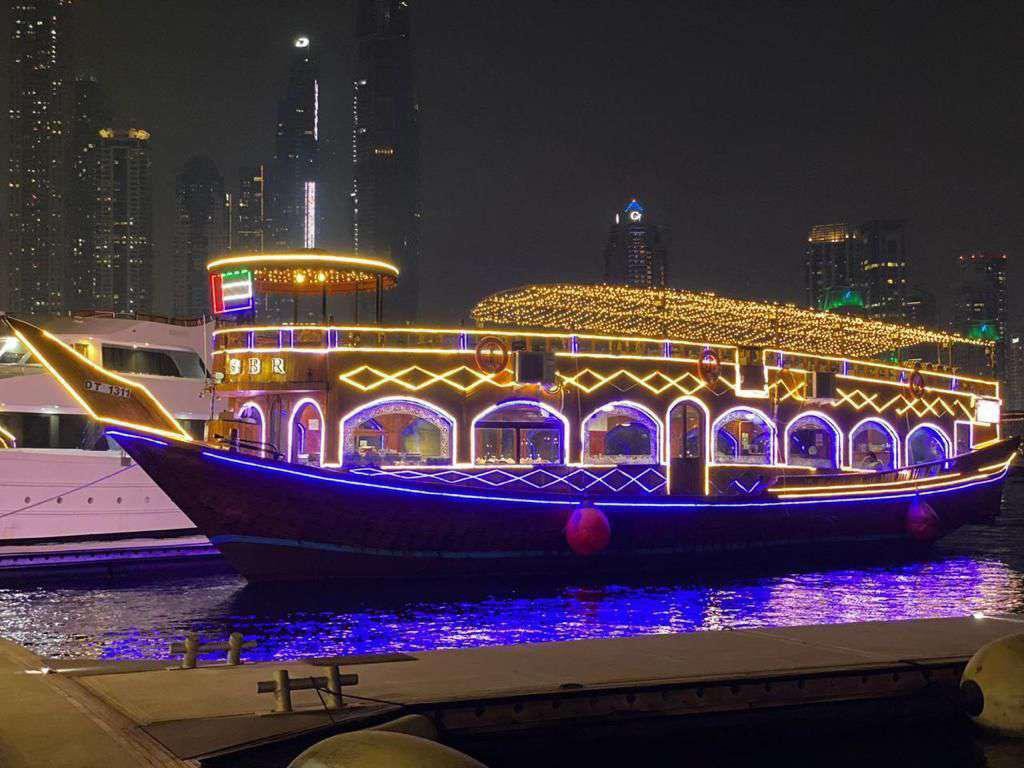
x=89 y=112
x=637 y=249
x=200 y=233
x=35 y=268
x=385 y=148
x=294 y=180
x=123 y=262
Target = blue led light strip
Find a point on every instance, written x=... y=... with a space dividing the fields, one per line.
x=637 y=503
x=117 y=433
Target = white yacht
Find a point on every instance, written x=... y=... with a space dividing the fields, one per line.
x=69 y=497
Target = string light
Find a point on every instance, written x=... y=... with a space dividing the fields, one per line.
x=664 y=312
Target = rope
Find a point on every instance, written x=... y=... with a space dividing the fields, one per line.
x=65 y=493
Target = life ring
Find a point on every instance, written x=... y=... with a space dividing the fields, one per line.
x=916 y=383
x=491 y=355
x=709 y=367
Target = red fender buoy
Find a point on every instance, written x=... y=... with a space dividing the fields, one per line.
x=922 y=522
x=588 y=531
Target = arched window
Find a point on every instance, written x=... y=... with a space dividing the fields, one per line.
x=744 y=436
x=927 y=442
x=874 y=445
x=813 y=440
x=305 y=433
x=251 y=412
x=519 y=432
x=621 y=433
x=399 y=430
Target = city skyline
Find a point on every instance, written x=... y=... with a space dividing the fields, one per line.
x=488 y=166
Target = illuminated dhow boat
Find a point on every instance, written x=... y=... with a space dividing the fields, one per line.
x=600 y=439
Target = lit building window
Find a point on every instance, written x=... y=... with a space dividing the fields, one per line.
x=874 y=445
x=744 y=436
x=519 y=432
x=813 y=441
x=621 y=433
x=398 y=431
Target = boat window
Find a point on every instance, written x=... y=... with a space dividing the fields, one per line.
x=926 y=443
x=811 y=441
x=397 y=432
x=13 y=352
x=620 y=434
x=154 y=362
x=872 y=446
x=743 y=436
x=51 y=430
x=518 y=433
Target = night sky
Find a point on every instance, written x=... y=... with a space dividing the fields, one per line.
x=739 y=125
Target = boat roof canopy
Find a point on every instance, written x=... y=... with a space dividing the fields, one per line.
x=308 y=270
x=703 y=318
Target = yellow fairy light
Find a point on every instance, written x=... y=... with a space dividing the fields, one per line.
x=663 y=313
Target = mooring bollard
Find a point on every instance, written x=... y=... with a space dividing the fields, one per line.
x=282 y=686
x=191 y=649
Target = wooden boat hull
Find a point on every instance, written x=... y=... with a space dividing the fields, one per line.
x=274 y=520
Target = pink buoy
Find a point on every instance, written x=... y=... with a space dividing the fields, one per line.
x=588 y=531
x=922 y=521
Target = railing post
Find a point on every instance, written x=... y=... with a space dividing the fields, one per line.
x=334 y=687
x=282 y=691
x=235 y=649
x=191 y=650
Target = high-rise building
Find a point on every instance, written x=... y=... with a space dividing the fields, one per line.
x=123 y=260
x=831 y=266
x=200 y=233
x=35 y=260
x=860 y=269
x=295 y=188
x=89 y=111
x=883 y=268
x=1013 y=395
x=250 y=218
x=980 y=308
x=920 y=308
x=637 y=249
x=385 y=148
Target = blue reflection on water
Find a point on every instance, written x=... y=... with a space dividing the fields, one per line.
x=978 y=569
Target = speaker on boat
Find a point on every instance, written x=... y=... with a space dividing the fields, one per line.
x=824 y=384
x=535 y=367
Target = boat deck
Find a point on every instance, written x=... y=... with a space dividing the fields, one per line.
x=192 y=714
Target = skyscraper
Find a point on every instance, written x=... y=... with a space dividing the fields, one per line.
x=385 y=148
x=200 y=233
x=860 y=269
x=88 y=112
x=980 y=308
x=1014 y=376
x=831 y=266
x=123 y=242
x=295 y=175
x=637 y=249
x=883 y=268
x=250 y=213
x=35 y=264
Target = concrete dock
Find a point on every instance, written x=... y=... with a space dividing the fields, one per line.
x=170 y=717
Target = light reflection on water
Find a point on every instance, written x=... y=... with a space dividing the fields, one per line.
x=978 y=569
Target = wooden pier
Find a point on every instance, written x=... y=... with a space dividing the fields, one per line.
x=142 y=713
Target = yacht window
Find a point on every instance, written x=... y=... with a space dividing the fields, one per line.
x=155 y=362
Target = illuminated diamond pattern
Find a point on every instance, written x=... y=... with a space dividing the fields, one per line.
x=415 y=377
x=920 y=406
x=650 y=480
x=656 y=382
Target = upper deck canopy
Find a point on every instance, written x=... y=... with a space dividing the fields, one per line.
x=309 y=271
x=702 y=317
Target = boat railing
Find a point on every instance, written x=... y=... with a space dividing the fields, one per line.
x=920 y=471
x=262 y=449
x=187 y=322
